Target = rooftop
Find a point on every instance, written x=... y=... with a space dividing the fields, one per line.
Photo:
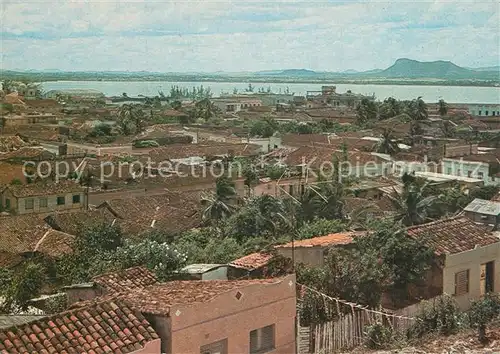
x=109 y=326
x=482 y=206
x=158 y=299
x=40 y=189
x=198 y=268
x=453 y=235
x=127 y=279
x=252 y=261
x=341 y=238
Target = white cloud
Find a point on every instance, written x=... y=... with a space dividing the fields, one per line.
x=245 y=35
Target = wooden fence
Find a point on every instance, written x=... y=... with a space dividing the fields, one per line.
x=349 y=331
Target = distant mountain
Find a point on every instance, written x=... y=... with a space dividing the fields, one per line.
x=290 y=73
x=487 y=68
x=350 y=71
x=408 y=68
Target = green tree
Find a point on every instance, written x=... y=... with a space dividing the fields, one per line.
x=218 y=205
x=387 y=143
x=366 y=112
x=412 y=203
x=482 y=312
x=206 y=109
x=443 y=108
x=320 y=227
x=177 y=105
x=26 y=285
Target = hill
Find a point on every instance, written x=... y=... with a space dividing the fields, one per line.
x=408 y=68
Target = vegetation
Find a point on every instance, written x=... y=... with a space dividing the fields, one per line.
x=482 y=312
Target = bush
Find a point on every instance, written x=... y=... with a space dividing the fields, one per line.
x=145 y=143
x=440 y=316
x=378 y=336
x=483 y=312
x=16 y=182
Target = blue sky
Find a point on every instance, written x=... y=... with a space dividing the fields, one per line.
x=222 y=35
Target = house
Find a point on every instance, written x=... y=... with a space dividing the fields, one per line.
x=481 y=166
x=467 y=257
x=483 y=211
x=312 y=251
x=29 y=119
x=259 y=265
x=220 y=316
x=43 y=197
x=110 y=283
x=484 y=110
x=98 y=327
x=24 y=235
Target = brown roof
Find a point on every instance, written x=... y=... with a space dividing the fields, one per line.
x=11 y=143
x=181 y=151
x=164 y=211
x=127 y=279
x=341 y=238
x=73 y=222
x=29 y=233
x=453 y=235
x=252 y=261
x=109 y=326
x=316 y=156
x=40 y=189
x=27 y=152
x=157 y=299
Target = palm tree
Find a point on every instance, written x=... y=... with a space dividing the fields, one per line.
x=206 y=109
x=218 y=205
x=125 y=119
x=419 y=116
x=443 y=108
x=448 y=128
x=387 y=143
x=412 y=203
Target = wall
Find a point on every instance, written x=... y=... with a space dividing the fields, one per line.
x=308 y=255
x=76 y=294
x=471 y=260
x=163 y=327
x=52 y=203
x=482 y=218
x=481 y=109
x=7 y=194
x=74 y=149
x=460 y=150
x=462 y=168
x=195 y=325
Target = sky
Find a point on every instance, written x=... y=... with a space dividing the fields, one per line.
x=236 y=36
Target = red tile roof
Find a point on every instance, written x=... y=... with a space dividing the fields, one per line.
x=252 y=261
x=453 y=235
x=158 y=299
x=341 y=238
x=102 y=327
x=127 y=279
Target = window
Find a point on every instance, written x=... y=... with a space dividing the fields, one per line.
x=469 y=174
x=448 y=171
x=76 y=199
x=219 y=347
x=479 y=113
x=7 y=203
x=28 y=204
x=480 y=175
x=462 y=282
x=60 y=201
x=43 y=202
x=486 y=113
x=262 y=339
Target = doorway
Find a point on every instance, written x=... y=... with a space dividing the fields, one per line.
x=487 y=277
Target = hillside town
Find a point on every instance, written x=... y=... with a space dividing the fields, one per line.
x=256 y=221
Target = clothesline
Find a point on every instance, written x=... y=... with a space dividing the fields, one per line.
x=354 y=305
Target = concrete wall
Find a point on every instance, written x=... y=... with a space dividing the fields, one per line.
x=225 y=316
x=76 y=294
x=314 y=256
x=51 y=203
x=478 y=170
x=472 y=261
x=482 y=218
x=484 y=110
x=74 y=149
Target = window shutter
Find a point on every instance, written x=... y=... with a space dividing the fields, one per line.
x=462 y=282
